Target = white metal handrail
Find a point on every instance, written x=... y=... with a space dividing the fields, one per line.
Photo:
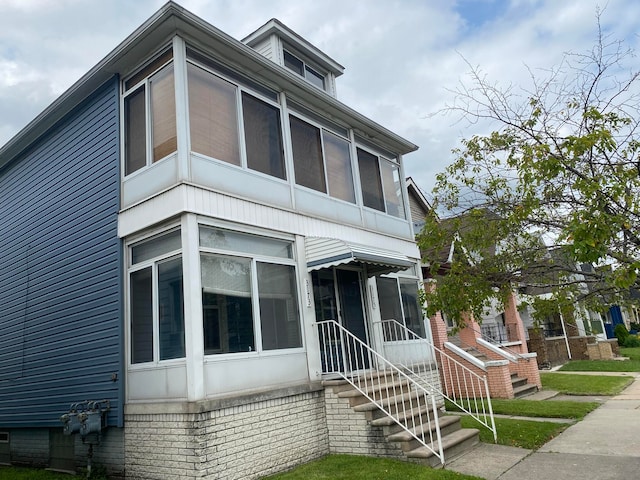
x=463 y=387
x=407 y=402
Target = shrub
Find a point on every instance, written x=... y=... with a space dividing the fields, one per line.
x=621 y=333
x=632 y=341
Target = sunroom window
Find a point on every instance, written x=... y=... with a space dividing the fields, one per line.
x=399 y=302
x=217 y=110
x=156 y=300
x=321 y=160
x=150 y=115
x=381 y=185
x=249 y=294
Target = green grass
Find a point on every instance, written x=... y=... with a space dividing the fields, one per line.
x=350 y=467
x=602 y=366
x=529 y=434
x=14 y=473
x=584 y=384
x=536 y=408
x=632 y=353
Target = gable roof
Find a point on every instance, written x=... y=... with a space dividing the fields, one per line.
x=173 y=19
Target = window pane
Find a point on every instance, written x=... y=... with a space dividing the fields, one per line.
x=141 y=316
x=307 y=155
x=278 y=306
x=338 y=158
x=226 y=304
x=155 y=247
x=135 y=140
x=163 y=112
x=263 y=137
x=314 y=77
x=390 y=309
x=213 y=116
x=411 y=306
x=293 y=63
x=243 y=242
x=370 y=180
x=392 y=189
x=171 y=309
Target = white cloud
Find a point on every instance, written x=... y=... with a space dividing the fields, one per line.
x=401 y=56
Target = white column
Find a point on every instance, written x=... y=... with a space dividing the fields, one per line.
x=193 y=335
x=182 y=112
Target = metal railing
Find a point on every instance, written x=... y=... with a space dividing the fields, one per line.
x=391 y=389
x=463 y=387
x=511 y=352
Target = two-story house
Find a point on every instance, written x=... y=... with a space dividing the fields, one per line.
x=172 y=229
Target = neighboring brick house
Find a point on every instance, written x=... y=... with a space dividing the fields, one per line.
x=173 y=227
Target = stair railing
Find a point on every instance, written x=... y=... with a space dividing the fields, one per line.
x=498 y=345
x=397 y=393
x=461 y=386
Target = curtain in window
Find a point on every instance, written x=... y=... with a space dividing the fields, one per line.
x=339 y=173
x=263 y=137
x=279 y=319
x=370 y=180
x=392 y=192
x=226 y=304
x=213 y=116
x=163 y=112
x=135 y=134
x=307 y=155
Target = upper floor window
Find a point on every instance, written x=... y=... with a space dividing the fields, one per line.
x=221 y=113
x=295 y=64
x=150 y=114
x=381 y=184
x=322 y=160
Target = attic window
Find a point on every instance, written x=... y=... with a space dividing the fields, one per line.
x=293 y=63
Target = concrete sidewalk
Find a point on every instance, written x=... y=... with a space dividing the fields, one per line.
x=605 y=445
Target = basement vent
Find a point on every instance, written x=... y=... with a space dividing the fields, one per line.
x=4 y=437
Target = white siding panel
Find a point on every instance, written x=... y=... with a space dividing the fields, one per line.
x=169 y=383
x=217 y=205
x=324 y=206
x=234 y=374
x=144 y=184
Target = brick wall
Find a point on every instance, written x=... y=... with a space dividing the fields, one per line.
x=246 y=440
x=350 y=431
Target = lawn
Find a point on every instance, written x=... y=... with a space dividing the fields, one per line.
x=536 y=408
x=632 y=353
x=602 y=366
x=14 y=473
x=529 y=434
x=584 y=384
x=350 y=467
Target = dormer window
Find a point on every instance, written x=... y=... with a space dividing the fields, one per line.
x=295 y=64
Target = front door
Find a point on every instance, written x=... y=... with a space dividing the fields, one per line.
x=338 y=296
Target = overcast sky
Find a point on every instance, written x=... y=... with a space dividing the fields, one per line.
x=401 y=57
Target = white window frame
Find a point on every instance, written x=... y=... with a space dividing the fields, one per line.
x=147 y=112
x=255 y=299
x=307 y=67
x=153 y=263
x=240 y=89
x=323 y=128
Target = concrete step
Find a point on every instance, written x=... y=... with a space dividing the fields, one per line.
x=524 y=390
x=402 y=402
x=453 y=445
x=448 y=424
x=517 y=381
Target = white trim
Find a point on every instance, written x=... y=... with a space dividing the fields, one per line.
x=497 y=350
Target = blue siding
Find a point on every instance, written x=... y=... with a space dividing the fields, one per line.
x=61 y=270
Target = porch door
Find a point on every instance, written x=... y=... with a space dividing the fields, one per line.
x=338 y=295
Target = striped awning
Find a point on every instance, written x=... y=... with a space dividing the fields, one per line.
x=331 y=252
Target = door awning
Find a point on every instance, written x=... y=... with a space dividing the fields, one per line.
x=331 y=252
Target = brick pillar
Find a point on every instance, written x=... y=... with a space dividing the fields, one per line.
x=438 y=330
x=469 y=334
x=528 y=368
x=499 y=378
x=513 y=323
